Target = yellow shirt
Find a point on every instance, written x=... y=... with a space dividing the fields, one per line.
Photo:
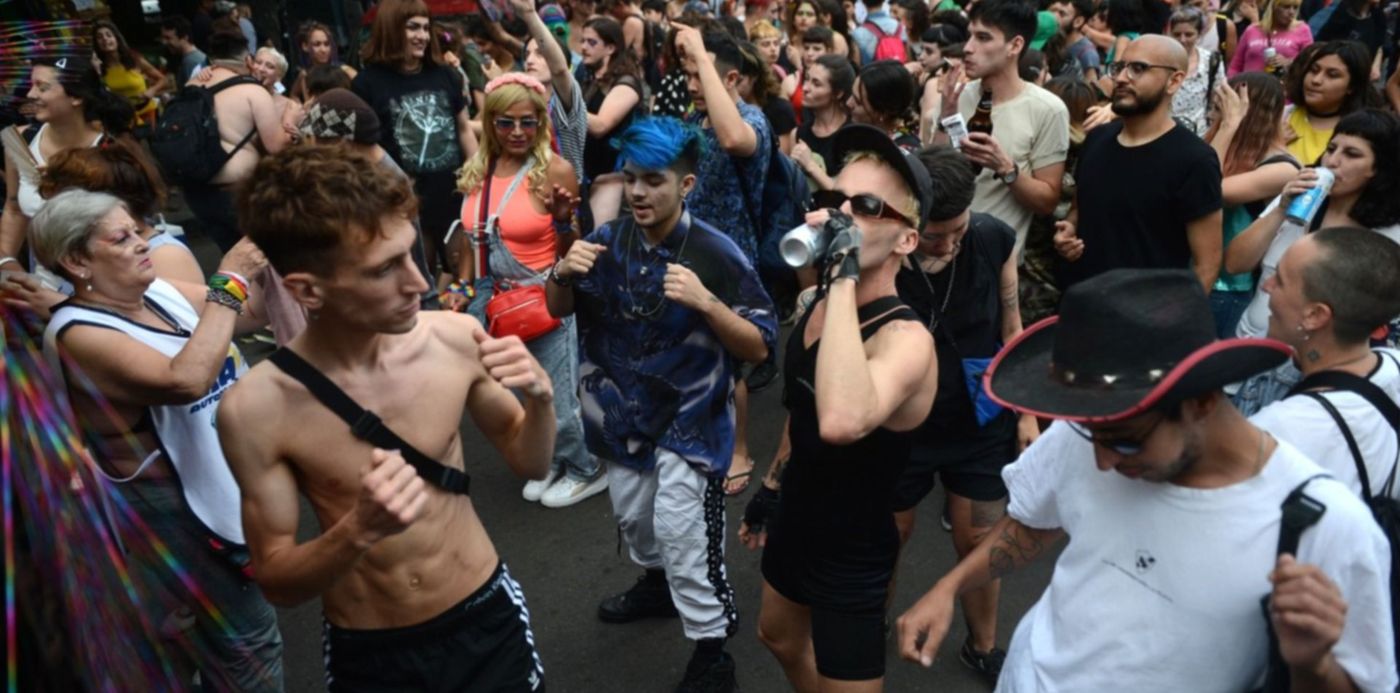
x=131 y=85
x=1311 y=142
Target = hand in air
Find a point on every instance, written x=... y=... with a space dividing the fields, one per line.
x=510 y=364
x=579 y=260
x=244 y=258
x=562 y=204
x=392 y=496
x=952 y=89
x=683 y=286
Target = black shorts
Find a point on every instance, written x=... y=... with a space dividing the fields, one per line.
x=845 y=585
x=483 y=643
x=976 y=476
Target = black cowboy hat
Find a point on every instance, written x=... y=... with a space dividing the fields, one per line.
x=868 y=138
x=1124 y=341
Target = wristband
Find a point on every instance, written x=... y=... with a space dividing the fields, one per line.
x=564 y=226
x=233 y=284
x=762 y=506
x=225 y=298
x=8 y=259
x=557 y=279
x=461 y=289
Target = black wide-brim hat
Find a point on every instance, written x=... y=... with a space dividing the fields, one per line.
x=1124 y=342
x=868 y=138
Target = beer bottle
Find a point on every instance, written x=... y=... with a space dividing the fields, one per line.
x=981 y=120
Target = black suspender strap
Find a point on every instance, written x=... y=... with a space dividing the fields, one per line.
x=366 y=426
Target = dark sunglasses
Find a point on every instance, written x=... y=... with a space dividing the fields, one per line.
x=508 y=124
x=862 y=204
x=1126 y=448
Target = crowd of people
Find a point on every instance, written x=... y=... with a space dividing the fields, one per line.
x=1124 y=271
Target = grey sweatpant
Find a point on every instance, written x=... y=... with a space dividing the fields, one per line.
x=672 y=518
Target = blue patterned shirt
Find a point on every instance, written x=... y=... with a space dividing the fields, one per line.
x=652 y=372
x=728 y=189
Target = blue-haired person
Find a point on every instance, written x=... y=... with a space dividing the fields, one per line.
x=667 y=307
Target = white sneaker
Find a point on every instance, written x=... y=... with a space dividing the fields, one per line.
x=535 y=488
x=566 y=491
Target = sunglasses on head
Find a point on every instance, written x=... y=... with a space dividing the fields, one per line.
x=508 y=124
x=862 y=204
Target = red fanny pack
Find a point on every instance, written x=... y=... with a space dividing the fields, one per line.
x=522 y=312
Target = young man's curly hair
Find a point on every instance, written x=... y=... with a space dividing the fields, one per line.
x=304 y=204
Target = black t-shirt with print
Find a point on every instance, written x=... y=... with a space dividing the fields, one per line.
x=417 y=115
x=1135 y=202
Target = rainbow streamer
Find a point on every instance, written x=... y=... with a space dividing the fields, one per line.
x=86 y=542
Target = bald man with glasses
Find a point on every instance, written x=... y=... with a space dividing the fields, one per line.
x=1149 y=191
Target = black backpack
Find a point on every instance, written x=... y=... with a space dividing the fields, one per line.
x=186 y=140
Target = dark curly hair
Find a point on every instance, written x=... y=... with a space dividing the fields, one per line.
x=1357 y=59
x=1379 y=204
x=305 y=204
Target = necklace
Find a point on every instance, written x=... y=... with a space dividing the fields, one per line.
x=637 y=309
x=936 y=315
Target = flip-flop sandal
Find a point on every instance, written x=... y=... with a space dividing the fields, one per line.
x=735 y=477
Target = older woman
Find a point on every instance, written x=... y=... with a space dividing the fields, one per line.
x=516 y=179
x=157 y=357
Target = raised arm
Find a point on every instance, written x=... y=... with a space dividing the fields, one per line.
x=1247 y=250
x=560 y=76
x=857 y=393
x=523 y=434
x=736 y=137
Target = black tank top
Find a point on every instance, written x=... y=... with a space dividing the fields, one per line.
x=851 y=485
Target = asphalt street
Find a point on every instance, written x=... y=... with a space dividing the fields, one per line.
x=567 y=560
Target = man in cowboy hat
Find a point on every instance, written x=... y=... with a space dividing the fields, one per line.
x=1160 y=589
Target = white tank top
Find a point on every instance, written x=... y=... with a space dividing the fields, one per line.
x=29 y=200
x=184 y=432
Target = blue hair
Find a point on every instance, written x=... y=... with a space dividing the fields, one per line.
x=660 y=143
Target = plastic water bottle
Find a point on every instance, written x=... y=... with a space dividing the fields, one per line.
x=1304 y=207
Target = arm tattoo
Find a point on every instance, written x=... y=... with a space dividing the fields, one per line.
x=1014 y=547
x=774 y=478
x=1009 y=294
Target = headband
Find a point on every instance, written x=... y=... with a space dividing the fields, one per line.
x=520 y=78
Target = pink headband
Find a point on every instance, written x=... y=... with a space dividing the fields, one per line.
x=520 y=78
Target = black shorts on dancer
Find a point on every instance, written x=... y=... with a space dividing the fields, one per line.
x=482 y=644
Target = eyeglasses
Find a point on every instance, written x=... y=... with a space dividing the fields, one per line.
x=862 y=204
x=1136 y=68
x=508 y=124
x=1126 y=448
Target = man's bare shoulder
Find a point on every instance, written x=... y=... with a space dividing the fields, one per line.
x=452 y=330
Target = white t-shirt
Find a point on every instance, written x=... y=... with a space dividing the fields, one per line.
x=1159 y=588
x=1303 y=422
x=1255 y=321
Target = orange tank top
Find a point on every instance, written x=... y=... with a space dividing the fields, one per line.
x=528 y=234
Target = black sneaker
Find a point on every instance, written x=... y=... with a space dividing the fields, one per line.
x=988 y=664
x=709 y=675
x=649 y=598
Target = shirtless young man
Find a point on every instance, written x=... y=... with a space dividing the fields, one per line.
x=243 y=110
x=413 y=591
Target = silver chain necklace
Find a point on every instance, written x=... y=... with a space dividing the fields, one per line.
x=637 y=310
x=935 y=316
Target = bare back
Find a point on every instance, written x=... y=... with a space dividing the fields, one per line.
x=420 y=389
x=241 y=109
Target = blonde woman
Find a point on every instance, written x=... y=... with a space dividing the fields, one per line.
x=516 y=180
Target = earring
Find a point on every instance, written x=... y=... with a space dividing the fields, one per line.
x=88 y=281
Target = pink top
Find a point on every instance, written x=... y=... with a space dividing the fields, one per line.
x=1249 y=54
x=528 y=234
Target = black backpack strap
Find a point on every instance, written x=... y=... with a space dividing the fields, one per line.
x=1351 y=441
x=1367 y=390
x=366 y=426
x=240 y=79
x=1300 y=511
